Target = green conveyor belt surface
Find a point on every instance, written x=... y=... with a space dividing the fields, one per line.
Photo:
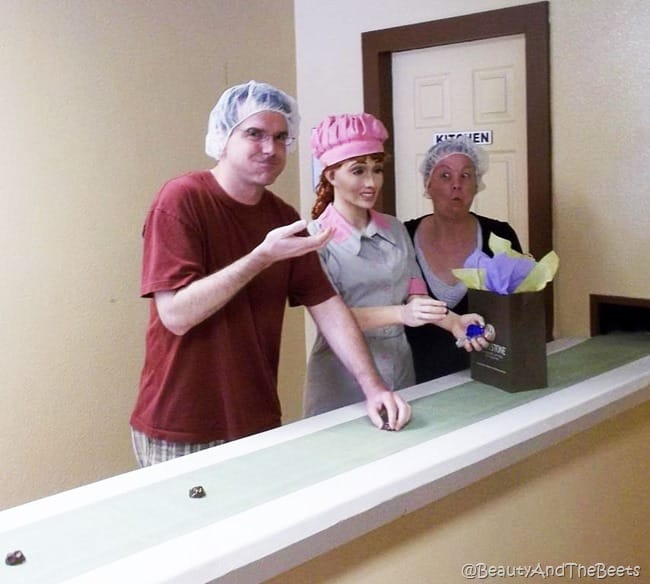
x=73 y=542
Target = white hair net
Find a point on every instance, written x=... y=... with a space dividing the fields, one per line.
x=459 y=145
x=242 y=101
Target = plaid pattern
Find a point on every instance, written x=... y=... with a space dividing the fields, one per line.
x=150 y=451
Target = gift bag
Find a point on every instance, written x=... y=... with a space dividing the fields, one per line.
x=516 y=359
x=507 y=289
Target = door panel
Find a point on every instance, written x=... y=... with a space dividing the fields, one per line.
x=464 y=87
x=530 y=20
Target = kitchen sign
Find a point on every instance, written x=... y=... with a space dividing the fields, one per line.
x=476 y=136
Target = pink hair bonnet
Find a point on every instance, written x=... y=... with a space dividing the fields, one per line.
x=338 y=138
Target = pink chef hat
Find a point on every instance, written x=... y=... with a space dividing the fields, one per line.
x=338 y=138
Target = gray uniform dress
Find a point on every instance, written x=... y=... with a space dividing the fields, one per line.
x=376 y=268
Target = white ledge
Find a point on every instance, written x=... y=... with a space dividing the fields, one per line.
x=270 y=538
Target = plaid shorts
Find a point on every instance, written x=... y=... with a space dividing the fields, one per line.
x=150 y=451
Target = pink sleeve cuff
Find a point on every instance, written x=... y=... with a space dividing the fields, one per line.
x=417 y=286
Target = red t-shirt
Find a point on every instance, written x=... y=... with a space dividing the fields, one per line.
x=218 y=381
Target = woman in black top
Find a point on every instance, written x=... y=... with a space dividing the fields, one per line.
x=443 y=240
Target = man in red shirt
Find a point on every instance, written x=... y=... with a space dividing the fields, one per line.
x=222 y=256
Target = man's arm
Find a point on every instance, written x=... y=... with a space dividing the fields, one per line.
x=182 y=309
x=341 y=331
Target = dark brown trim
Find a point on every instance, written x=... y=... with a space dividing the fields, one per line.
x=528 y=19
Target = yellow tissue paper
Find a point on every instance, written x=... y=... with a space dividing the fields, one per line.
x=541 y=273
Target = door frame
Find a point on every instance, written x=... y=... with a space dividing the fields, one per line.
x=531 y=20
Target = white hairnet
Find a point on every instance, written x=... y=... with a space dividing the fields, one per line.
x=459 y=145
x=242 y=101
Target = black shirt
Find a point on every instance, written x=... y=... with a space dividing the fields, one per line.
x=434 y=349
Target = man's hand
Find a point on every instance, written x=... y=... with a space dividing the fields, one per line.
x=388 y=408
x=182 y=309
x=283 y=243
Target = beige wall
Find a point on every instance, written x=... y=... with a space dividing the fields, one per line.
x=101 y=102
x=600 y=55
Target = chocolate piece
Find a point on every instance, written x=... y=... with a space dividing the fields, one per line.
x=384 y=418
x=15 y=558
x=197 y=492
x=476 y=330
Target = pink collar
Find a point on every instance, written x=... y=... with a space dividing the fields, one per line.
x=343 y=230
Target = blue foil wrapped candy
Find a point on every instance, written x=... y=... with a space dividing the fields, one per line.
x=476 y=330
